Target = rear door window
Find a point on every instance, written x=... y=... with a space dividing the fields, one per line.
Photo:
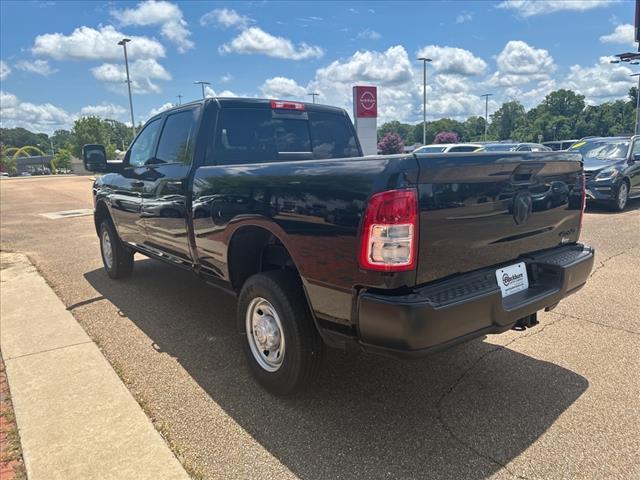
x=176 y=140
x=259 y=135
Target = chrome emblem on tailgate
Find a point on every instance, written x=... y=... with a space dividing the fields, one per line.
x=522 y=207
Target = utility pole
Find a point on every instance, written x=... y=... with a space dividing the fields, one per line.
x=424 y=61
x=202 y=84
x=314 y=95
x=486 y=113
x=124 y=42
x=179 y=99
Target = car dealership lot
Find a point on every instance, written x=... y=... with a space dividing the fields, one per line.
x=559 y=400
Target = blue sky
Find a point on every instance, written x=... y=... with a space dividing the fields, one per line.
x=60 y=61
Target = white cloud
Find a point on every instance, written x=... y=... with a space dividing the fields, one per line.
x=520 y=63
x=532 y=97
x=226 y=78
x=210 y=92
x=8 y=100
x=464 y=17
x=367 y=34
x=104 y=110
x=227 y=17
x=39 y=66
x=391 y=71
x=453 y=60
x=282 y=87
x=382 y=68
x=254 y=40
x=160 y=109
x=622 y=34
x=5 y=70
x=35 y=117
x=529 y=8
x=602 y=82
x=86 y=43
x=142 y=72
x=158 y=12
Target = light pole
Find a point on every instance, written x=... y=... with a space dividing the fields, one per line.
x=486 y=114
x=633 y=58
x=424 y=61
x=124 y=42
x=636 y=131
x=314 y=95
x=179 y=99
x=202 y=84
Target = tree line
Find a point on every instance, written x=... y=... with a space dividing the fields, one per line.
x=64 y=144
x=562 y=115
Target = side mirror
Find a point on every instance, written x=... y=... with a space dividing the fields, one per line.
x=636 y=157
x=94 y=158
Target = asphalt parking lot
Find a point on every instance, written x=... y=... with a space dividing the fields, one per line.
x=556 y=401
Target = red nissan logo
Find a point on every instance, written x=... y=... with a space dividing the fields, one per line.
x=367 y=101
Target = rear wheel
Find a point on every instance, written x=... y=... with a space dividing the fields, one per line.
x=116 y=257
x=622 y=195
x=282 y=345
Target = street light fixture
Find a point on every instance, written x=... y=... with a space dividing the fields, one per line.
x=124 y=42
x=486 y=113
x=314 y=95
x=202 y=84
x=424 y=61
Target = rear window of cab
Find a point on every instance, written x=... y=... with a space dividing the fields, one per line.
x=258 y=135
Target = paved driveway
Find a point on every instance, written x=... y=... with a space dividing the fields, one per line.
x=556 y=401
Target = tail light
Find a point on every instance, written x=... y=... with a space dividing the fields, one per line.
x=276 y=104
x=389 y=236
x=584 y=198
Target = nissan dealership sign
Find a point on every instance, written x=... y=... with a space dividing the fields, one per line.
x=365 y=113
x=366 y=102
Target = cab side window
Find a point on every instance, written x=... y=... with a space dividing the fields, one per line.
x=177 y=138
x=142 y=149
x=636 y=148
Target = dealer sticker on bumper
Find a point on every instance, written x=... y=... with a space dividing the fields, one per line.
x=512 y=279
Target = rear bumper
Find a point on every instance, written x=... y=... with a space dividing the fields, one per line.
x=466 y=306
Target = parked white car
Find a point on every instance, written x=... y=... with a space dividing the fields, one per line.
x=448 y=148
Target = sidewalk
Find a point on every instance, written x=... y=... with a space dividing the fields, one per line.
x=76 y=418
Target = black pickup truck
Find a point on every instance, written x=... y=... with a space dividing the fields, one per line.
x=399 y=255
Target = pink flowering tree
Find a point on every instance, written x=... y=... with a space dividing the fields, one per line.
x=446 y=137
x=391 y=143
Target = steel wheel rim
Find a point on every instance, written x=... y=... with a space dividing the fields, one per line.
x=107 y=250
x=622 y=195
x=265 y=334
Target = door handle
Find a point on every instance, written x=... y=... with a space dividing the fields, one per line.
x=137 y=184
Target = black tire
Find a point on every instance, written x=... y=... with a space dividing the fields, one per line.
x=302 y=356
x=622 y=197
x=121 y=265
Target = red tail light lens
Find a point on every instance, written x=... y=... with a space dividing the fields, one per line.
x=276 y=104
x=584 y=198
x=389 y=235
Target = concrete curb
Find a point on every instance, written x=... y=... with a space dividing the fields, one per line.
x=76 y=418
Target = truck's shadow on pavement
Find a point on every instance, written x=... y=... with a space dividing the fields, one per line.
x=462 y=413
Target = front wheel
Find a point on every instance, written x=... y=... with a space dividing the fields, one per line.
x=622 y=195
x=282 y=345
x=116 y=257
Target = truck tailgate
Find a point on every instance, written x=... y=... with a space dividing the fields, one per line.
x=483 y=209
